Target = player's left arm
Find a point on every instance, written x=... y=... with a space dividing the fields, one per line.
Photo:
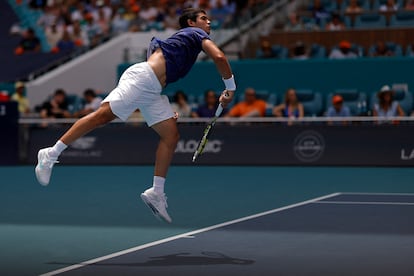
x=223 y=66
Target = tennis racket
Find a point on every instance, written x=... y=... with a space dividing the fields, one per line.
x=207 y=132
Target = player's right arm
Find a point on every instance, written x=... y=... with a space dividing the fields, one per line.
x=223 y=66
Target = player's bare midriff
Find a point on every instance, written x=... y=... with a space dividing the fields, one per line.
x=157 y=63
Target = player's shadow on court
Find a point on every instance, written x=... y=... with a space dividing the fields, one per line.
x=183 y=259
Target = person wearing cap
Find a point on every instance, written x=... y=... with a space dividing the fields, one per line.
x=19 y=97
x=386 y=106
x=338 y=109
x=343 y=51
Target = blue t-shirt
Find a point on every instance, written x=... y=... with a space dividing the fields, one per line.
x=343 y=112
x=180 y=51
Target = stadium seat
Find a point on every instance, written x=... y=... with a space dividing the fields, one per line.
x=370 y=21
x=402 y=19
x=396 y=48
x=312 y=101
x=409 y=50
x=74 y=103
x=317 y=51
x=280 y=51
x=354 y=99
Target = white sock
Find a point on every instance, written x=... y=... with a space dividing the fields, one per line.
x=57 y=149
x=158 y=184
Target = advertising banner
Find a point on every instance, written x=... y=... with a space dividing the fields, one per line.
x=241 y=144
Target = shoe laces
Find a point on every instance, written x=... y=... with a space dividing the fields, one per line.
x=163 y=198
x=49 y=162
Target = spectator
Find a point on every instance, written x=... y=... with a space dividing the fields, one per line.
x=382 y=50
x=92 y=103
x=335 y=24
x=266 y=50
x=353 y=7
x=53 y=35
x=251 y=106
x=180 y=104
x=389 y=6
x=409 y=5
x=66 y=44
x=120 y=24
x=318 y=11
x=291 y=108
x=208 y=108
x=221 y=13
x=343 y=52
x=20 y=98
x=29 y=43
x=386 y=106
x=294 y=23
x=338 y=109
x=93 y=30
x=77 y=34
x=56 y=107
x=171 y=18
x=299 y=51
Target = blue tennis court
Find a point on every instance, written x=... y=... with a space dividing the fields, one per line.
x=337 y=234
x=226 y=221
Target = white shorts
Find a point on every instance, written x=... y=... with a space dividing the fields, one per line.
x=139 y=88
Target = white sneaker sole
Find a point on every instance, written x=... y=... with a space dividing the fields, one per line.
x=154 y=210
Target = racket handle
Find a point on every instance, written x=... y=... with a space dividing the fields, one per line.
x=219 y=110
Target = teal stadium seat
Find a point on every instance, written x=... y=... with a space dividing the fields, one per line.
x=402 y=19
x=74 y=103
x=355 y=100
x=317 y=51
x=279 y=51
x=312 y=101
x=394 y=47
x=409 y=52
x=370 y=21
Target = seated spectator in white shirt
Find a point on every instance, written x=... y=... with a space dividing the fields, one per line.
x=92 y=103
x=344 y=51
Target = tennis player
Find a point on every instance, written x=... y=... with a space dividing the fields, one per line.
x=140 y=88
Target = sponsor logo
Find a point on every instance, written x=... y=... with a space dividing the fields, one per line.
x=83 y=147
x=190 y=146
x=308 y=146
x=84 y=143
x=407 y=154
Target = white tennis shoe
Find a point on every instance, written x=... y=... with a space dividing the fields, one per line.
x=157 y=203
x=44 y=166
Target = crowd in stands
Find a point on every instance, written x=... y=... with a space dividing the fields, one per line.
x=293 y=104
x=72 y=24
x=341 y=15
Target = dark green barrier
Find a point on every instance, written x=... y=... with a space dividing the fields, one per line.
x=323 y=75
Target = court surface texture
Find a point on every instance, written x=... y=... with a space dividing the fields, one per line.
x=226 y=221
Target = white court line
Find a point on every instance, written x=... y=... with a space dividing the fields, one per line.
x=365 y=203
x=385 y=194
x=185 y=235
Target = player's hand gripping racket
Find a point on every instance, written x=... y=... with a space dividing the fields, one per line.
x=207 y=132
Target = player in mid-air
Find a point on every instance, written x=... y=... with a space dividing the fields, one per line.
x=140 y=88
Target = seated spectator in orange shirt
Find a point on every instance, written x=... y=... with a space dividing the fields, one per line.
x=251 y=106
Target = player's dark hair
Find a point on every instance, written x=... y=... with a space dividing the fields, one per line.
x=191 y=14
